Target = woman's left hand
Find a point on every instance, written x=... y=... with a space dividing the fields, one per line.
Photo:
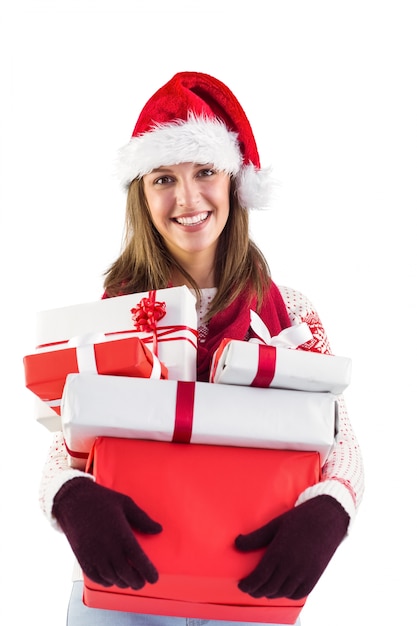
x=299 y=545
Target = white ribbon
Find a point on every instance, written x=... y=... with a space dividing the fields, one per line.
x=156 y=367
x=84 y=345
x=291 y=337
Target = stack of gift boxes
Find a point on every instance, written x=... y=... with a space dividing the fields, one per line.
x=207 y=460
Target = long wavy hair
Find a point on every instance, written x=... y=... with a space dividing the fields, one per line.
x=145 y=262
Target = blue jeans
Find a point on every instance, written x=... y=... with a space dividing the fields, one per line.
x=81 y=615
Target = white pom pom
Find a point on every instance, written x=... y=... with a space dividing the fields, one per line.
x=256 y=188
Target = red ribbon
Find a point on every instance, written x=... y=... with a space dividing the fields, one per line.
x=184 y=412
x=162 y=334
x=266 y=366
x=76 y=455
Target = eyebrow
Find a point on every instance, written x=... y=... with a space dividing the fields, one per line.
x=167 y=168
x=159 y=170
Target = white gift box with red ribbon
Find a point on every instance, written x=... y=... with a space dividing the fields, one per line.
x=279 y=362
x=195 y=413
x=165 y=320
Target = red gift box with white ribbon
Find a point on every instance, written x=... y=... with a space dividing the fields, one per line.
x=203 y=496
x=279 y=362
x=165 y=320
x=193 y=412
x=46 y=372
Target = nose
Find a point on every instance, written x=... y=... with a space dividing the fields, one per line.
x=187 y=194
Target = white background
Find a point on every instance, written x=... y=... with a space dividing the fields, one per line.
x=330 y=89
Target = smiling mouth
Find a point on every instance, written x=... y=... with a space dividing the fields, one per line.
x=192 y=221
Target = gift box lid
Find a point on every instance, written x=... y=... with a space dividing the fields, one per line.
x=112 y=315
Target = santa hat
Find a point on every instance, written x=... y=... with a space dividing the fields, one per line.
x=196 y=118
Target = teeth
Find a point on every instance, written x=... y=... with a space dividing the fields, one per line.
x=191 y=221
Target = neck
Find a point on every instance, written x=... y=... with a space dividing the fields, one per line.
x=200 y=266
x=203 y=277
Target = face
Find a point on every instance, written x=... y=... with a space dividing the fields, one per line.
x=189 y=206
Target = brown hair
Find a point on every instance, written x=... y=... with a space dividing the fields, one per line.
x=145 y=262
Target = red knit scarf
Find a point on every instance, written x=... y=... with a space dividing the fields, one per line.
x=234 y=323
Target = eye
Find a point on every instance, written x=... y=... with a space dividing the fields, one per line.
x=206 y=172
x=163 y=180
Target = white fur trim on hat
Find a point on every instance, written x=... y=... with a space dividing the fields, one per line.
x=196 y=140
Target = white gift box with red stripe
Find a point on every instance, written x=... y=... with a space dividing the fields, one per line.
x=165 y=320
x=279 y=362
x=195 y=413
x=259 y=365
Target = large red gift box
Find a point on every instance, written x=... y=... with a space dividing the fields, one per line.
x=46 y=372
x=204 y=496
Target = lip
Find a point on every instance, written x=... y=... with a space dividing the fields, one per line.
x=192 y=220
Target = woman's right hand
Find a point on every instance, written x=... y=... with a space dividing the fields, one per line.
x=98 y=523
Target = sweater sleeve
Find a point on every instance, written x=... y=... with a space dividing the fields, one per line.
x=56 y=472
x=342 y=472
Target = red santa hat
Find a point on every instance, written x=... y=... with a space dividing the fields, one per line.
x=196 y=118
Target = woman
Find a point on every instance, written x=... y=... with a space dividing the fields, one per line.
x=192 y=172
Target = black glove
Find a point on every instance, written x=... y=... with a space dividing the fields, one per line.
x=98 y=524
x=299 y=545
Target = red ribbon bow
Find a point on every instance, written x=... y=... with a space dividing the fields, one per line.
x=147 y=313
